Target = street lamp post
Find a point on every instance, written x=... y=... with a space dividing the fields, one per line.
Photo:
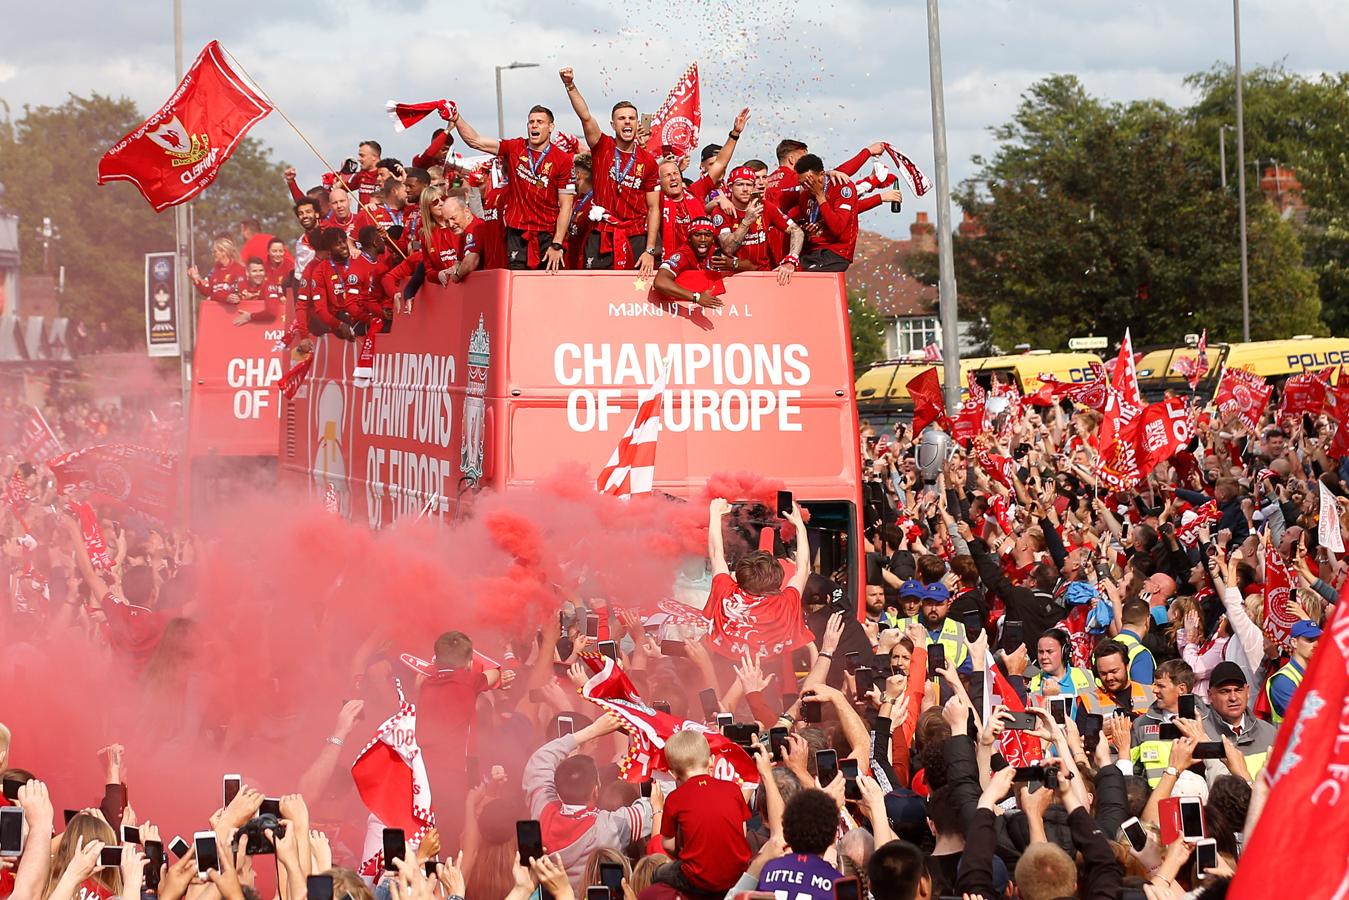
x=501 y=109
x=946 y=298
x=1241 y=177
x=1222 y=151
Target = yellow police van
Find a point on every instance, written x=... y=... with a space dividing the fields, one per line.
x=883 y=397
x=1272 y=360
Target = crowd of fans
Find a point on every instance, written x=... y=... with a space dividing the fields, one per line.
x=1127 y=623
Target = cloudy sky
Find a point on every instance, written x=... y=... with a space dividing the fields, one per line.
x=835 y=73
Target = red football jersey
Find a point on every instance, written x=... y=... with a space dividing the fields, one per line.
x=755 y=248
x=536 y=180
x=675 y=215
x=262 y=302
x=781 y=187
x=364 y=184
x=622 y=181
x=222 y=281
x=837 y=219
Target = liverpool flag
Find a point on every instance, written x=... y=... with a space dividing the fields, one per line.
x=176 y=153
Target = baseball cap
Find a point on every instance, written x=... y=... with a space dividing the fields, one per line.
x=904 y=807
x=709 y=151
x=1227 y=672
x=821 y=591
x=937 y=592
x=912 y=587
x=1305 y=629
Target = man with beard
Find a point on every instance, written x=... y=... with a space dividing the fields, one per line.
x=307 y=214
x=744 y=232
x=540 y=190
x=624 y=176
x=697 y=255
x=681 y=203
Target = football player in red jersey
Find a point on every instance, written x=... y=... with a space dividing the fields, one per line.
x=578 y=231
x=366 y=180
x=829 y=211
x=470 y=230
x=539 y=192
x=260 y=297
x=624 y=176
x=697 y=254
x=744 y=232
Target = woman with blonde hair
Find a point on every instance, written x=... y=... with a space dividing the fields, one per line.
x=590 y=875
x=439 y=250
x=222 y=283
x=645 y=870
x=75 y=864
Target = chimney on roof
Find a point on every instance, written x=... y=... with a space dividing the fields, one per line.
x=1280 y=184
x=969 y=227
x=923 y=235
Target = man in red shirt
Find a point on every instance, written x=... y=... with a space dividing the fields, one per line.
x=366 y=180
x=780 y=188
x=695 y=256
x=341 y=216
x=624 y=176
x=745 y=231
x=470 y=230
x=260 y=298
x=679 y=204
x=578 y=231
x=751 y=612
x=540 y=189
x=828 y=212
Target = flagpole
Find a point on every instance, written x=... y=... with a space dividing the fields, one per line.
x=315 y=150
x=180 y=235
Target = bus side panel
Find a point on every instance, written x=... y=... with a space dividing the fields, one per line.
x=412 y=442
x=235 y=407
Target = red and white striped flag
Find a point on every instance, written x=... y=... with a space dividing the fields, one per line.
x=932 y=353
x=632 y=467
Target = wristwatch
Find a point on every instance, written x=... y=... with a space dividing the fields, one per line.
x=733 y=135
x=335 y=741
x=1172 y=771
x=651 y=250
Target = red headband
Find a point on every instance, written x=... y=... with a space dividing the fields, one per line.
x=743 y=173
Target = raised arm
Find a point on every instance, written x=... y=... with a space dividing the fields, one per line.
x=802 y=573
x=717 y=167
x=716 y=551
x=474 y=139
x=589 y=126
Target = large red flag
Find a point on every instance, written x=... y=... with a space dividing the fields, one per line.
x=390 y=776
x=1279 y=586
x=1305 y=773
x=1125 y=376
x=1155 y=434
x=139 y=477
x=1304 y=393
x=1244 y=394
x=928 y=405
x=176 y=153
x=37 y=443
x=674 y=127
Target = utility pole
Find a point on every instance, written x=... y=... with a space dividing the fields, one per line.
x=1241 y=177
x=946 y=303
x=186 y=325
x=1222 y=152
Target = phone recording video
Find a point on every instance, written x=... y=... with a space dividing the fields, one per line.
x=826 y=766
x=1135 y=834
x=936 y=660
x=208 y=853
x=179 y=847
x=1205 y=857
x=11 y=831
x=110 y=857
x=847 y=889
x=849 y=769
x=1191 y=818
x=131 y=834
x=611 y=877
x=777 y=743
x=154 y=852
x=271 y=806
x=565 y=725
x=395 y=847
x=319 y=887
x=708 y=698
x=529 y=838
x=1185 y=707
x=785 y=504
x=609 y=649
x=230 y=786
x=1020 y=721
x=1058 y=709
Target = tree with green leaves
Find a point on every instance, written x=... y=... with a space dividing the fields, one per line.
x=49 y=164
x=868 y=331
x=1099 y=216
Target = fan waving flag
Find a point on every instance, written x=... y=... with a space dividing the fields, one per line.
x=632 y=467
x=390 y=776
x=674 y=127
x=928 y=405
x=176 y=153
x=405 y=115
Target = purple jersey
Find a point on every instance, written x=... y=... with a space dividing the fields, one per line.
x=799 y=876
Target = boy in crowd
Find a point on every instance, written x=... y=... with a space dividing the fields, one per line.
x=703 y=826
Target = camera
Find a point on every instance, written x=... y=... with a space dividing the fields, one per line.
x=255 y=831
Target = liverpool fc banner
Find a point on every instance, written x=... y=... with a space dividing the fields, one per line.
x=176 y=153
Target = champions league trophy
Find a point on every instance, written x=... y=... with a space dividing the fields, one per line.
x=934 y=449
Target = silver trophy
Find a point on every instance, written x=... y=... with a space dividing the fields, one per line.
x=934 y=449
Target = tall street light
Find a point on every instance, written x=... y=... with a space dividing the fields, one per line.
x=501 y=109
x=1241 y=177
x=1222 y=151
x=946 y=298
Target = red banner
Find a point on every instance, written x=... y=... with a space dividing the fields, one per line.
x=1155 y=434
x=1125 y=375
x=1244 y=394
x=1305 y=773
x=1278 y=592
x=674 y=128
x=139 y=477
x=176 y=153
x=1304 y=393
x=94 y=544
x=928 y=404
x=37 y=443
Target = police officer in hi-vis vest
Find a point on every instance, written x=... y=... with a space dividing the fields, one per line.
x=1229 y=719
x=1151 y=752
x=1284 y=683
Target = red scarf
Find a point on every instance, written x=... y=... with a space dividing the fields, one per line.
x=94 y=544
x=291 y=381
x=648 y=729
